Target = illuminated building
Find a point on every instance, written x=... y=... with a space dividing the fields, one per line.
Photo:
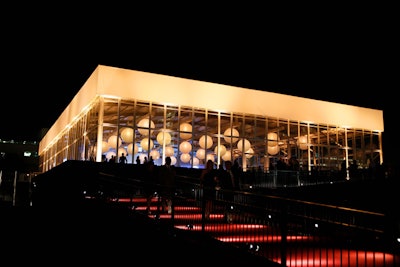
x=144 y=114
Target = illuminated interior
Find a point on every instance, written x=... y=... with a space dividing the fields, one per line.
x=144 y=114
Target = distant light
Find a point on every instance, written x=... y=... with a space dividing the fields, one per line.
x=27 y=154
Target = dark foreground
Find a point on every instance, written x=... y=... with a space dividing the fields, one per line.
x=95 y=233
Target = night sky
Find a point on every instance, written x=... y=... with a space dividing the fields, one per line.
x=349 y=57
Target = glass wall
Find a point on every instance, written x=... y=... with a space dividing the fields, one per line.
x=192 y=135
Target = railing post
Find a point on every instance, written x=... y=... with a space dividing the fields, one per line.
x=203 y=212
x=283 y=226
x=15 y=188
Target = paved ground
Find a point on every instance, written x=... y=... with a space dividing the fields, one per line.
x=98 y=234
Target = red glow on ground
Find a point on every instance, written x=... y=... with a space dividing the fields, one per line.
x=265 y=238
x=337 y=258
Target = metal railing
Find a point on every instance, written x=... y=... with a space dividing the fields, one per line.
x=287 y=231
x=292 y=232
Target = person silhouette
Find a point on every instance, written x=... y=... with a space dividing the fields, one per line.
x=228 y=183
x=208 y=182
x=150 y=184
x=123 y=159
x=112 y=159
x=167 y=184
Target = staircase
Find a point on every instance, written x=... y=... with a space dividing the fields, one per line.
x=300 y=243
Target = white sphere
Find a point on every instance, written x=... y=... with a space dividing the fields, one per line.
x=249 y=153
x=145 y=143
x=302 y=142
x=169 y=151
x=273 y=150
x=243 y=145
x=231 y=135
x=185 y=130
x=144 y=125
x=195 y=161
x=201 y=153
x=205 y=140
x=222 y=150
x=164 y=138
x=127 y=134
x=185 y=147
x=227 y=156
x=272 y=139
x=113 y=140
x=185 y=157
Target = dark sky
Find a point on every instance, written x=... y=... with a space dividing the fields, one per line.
x=349 y=56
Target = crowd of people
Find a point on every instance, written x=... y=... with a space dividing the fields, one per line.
x=214 y=182
x=159 y=182
x=219 y=182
